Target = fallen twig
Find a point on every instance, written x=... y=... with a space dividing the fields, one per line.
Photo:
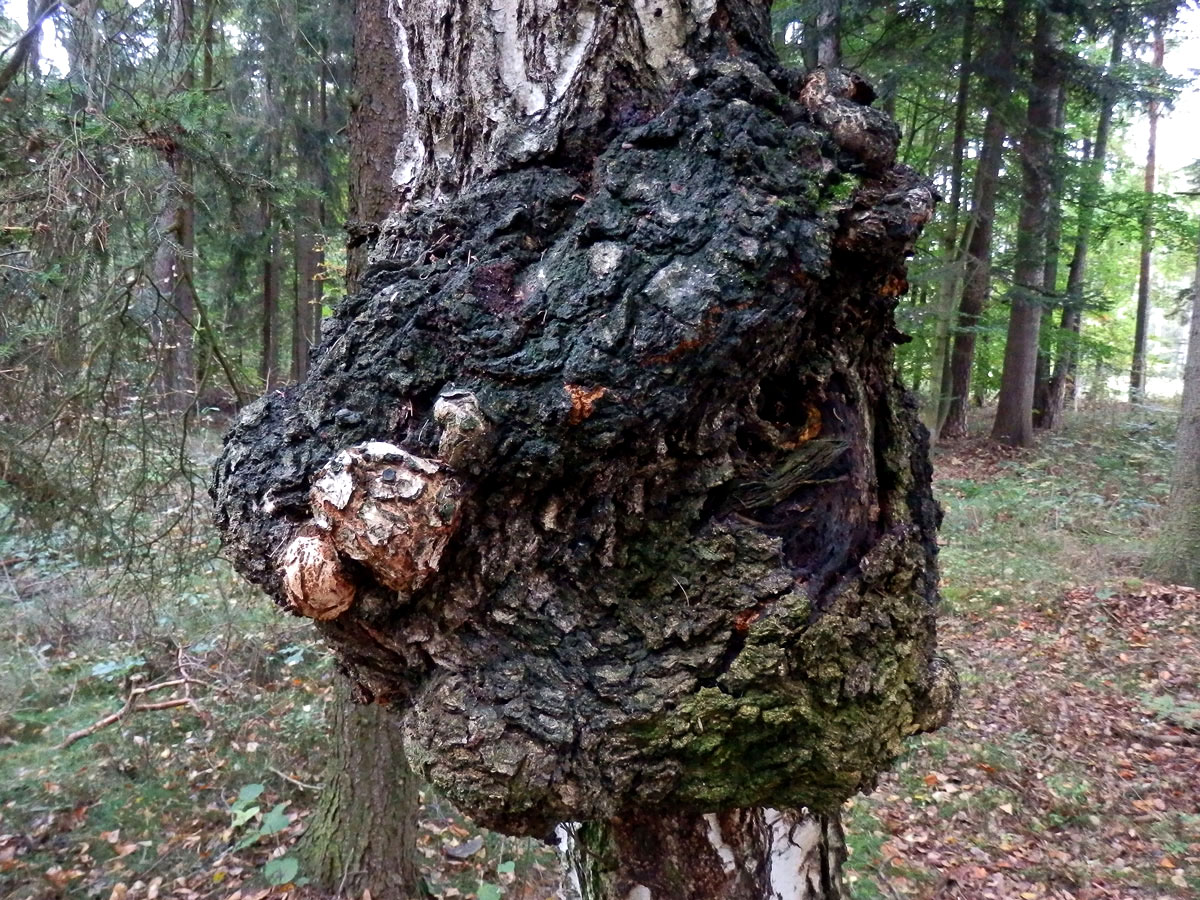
x=1149 y=737
x=303 y=785
x=132 y=705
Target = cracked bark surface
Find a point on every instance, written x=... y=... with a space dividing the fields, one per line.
x=609 y=459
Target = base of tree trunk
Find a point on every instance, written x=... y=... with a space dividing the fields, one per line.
x=748 y=854
x=362 y=834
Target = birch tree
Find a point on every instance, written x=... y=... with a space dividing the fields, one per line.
x=603 y=481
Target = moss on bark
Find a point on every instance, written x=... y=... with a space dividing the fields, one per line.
x=623 y=619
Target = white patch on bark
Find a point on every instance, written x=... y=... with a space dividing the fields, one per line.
x=410 y=153
x=664 y=32
x=568 y=853
x=337 y=487
x=604 y=258
x=724 y=851
x=794 y=853
x=703 y=10
x=570 y=62
x=639 y=892
x=511 y=57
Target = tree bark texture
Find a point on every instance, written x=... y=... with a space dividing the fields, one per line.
x=1137 y=372
x=1014 y=411
x=363 y=832
x=977 y=268
x=1176 y=555
x=744 y=854
x=1072 y=315
x=603 y=480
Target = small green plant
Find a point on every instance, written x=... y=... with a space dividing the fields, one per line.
x=282 y=870
x=488 y=890
x=245 y=810
x=1178 y=712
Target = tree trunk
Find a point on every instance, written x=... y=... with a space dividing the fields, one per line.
x=1137 y=372
x=748 y=854
x=978 y=261
x=1176 y=554
x=829 y=33
x=362 y=835
x=1054 y=222
x=939 y=373
x=174 y=282
x=976 y=278
x=306 y=233
x=1014 y=411
x=268 y=366
x=1072 y=314
x=603 y=480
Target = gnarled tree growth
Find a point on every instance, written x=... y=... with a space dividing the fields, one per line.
x=603 y=480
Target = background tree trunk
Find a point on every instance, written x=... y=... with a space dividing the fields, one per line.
x=1176 y=554
x=829 y=33
x=362 y=835
x=1014 y=412
x=268 y=366
x=1054 y=229
x=627 y=361
x=977 y=267
x=173 y=274
x=1137 y=373
x=953 y=249
x=1072 y=313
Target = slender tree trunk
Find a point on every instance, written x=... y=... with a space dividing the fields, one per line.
x=362 y=835
x=1014 y=412
x=1058 y=175
x=1137 y=372
x=951 y=254
x=268 y=367
x=306 y=235
x=1176 y=554
x=1072 y=314
x=173 y=260
x=829 y=33
x=978 y=258
x=976 y=277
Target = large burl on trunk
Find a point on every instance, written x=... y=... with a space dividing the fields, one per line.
x=603 y=479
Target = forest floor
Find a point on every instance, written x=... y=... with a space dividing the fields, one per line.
x=1072 y=769
x=1072 y=766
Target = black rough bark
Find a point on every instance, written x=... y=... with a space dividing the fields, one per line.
x=603 y=478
